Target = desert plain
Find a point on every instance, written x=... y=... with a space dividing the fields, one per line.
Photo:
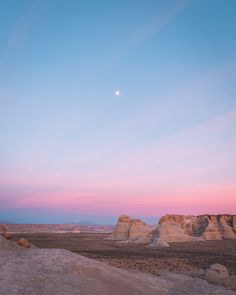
x=179 y=257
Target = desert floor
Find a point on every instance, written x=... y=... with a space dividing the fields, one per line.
x=179 y=257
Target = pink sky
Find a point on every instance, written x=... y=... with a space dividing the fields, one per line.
x=191 y=172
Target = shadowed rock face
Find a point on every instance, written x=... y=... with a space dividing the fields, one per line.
x=60 y=272
x=130 y=229
x=177 y=228
x=234 y=223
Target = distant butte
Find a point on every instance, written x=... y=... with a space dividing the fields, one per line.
x=176 y=228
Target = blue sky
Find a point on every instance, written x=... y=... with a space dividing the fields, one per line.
x=65 y=136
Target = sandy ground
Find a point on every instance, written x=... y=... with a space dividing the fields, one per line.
x=180 y=257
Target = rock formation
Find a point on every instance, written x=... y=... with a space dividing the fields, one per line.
x=180 y=228
x=218 y=274
x=60 y=272
x=7 y=245
x=23 y=243
x=130 y=229
x=176 y=228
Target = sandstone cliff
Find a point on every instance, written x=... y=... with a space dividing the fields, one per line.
x=180 y=228
x=177 y=228
x=130 y=229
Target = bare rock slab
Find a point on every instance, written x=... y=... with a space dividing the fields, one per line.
x=60 y=272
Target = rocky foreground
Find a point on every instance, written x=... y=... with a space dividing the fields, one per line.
x=176 y=228
x=56 y=271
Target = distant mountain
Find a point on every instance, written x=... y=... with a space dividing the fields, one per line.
x=90 y=226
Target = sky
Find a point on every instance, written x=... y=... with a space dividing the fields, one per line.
x=72 y=149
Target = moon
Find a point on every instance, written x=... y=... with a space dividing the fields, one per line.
x=117 y=92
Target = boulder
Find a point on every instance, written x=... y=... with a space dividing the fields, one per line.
x=217 y=274
x=23 y=243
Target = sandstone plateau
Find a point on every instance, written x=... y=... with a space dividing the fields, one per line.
x=39 y=228
x=176 y=228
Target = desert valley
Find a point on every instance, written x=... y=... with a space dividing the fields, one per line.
x=180 y=255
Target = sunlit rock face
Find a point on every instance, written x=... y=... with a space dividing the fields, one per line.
x=130 y=229
x=180 y=228
x=177 y=228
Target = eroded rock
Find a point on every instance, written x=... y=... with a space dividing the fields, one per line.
x=130 y=229
x=23 y=243
x=6 y=244
x=176 y=228
x=180 y=228
x=217 y=274
x=60 y=272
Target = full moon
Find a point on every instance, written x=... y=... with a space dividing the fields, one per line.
x=117 y=92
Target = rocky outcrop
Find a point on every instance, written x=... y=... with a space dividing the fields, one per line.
x=180 y=228
x=219 y=227
x=23 y=243
x=7 y=245
x=176 y=228
x=130 y=229
x=218 y=274
x=234 y=223
x=172 y=228
x=60 y=272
